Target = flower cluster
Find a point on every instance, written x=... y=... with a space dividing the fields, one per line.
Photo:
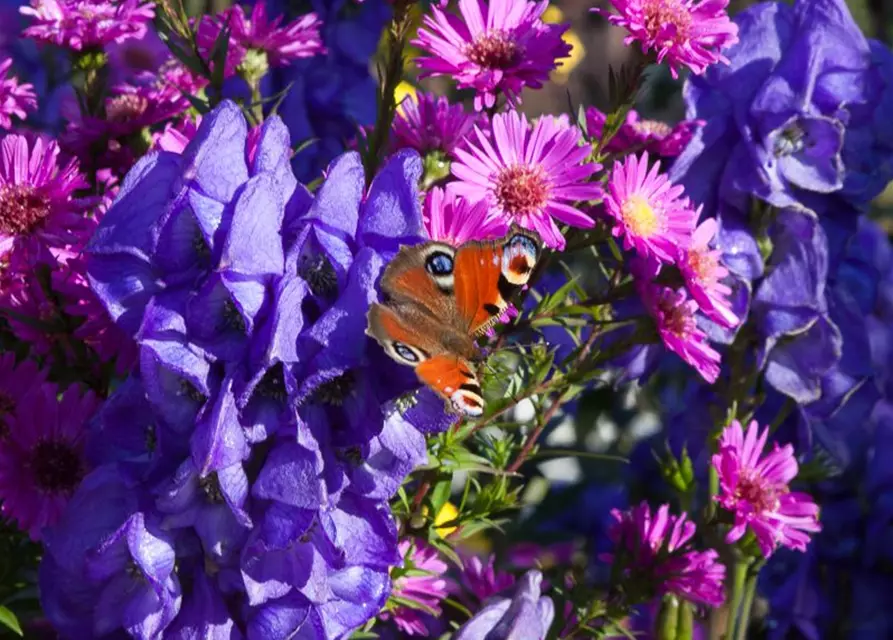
x=264 y=450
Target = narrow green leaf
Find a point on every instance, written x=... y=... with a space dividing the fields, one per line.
x=9 y=620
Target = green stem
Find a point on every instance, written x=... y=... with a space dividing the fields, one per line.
x=713 y=487
x=738 y=585
x=750 y=589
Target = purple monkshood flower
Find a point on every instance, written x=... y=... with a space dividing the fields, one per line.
x=247 y=297
x=87 y=24
x=526 y=614
x=778 y=132
x=656 y=555
x=754 y=487
x=499 y=47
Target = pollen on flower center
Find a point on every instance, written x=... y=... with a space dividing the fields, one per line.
x=494 y=50
x=667 y=17
x=652 y=127
x=639 y=216
x=752 y=489
x=676 y=318
x=521 y=189
x=703 y=263
x=126 y=107
x=22 y=208
x=56 y=467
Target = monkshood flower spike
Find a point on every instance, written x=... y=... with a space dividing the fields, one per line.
x=204 y=256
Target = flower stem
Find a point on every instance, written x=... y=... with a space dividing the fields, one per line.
x=738 y=585
x=750 y=589
x=398 y=32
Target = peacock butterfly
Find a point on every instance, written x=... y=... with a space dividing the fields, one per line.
x=440 y=298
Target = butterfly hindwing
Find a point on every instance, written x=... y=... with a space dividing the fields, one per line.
x=488 y=274
x=453 y=378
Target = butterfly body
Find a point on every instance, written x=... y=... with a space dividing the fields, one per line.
x=439 y=299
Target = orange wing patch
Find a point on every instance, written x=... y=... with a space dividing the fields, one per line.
x=478 y=300
x=452 y=378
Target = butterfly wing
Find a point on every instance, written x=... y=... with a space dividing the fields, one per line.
x=423 y=275
x=410 y=336
x=488 y=274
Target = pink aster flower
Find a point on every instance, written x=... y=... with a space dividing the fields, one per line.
x=42 y=460
x=451 y=219
x=36 y=206
x=703 y=272
x=16 y=380
x=481 y=579
x=657 y=556
x=687 y=33
x=754 y=487
x=15 y=99
x=298 y=39
x=500 y=47
x=420 y=582
x=87 y=24
x=649 y=211
x=430 y=123
x=637 y=134
x=674 y=316
x=529 y=176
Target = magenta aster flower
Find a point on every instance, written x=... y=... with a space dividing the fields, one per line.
x=87 y=24
x=703 y=272
x=430 y=123
x=530 y=177
x=657 y=556
x=687 y=33
x=674 y=316
x=36 y=207
x=16 y=380
x=637 y=134
x=42 y=460
x=482 y=580
x=649 y=211
x=754 y=487
x=257 y=32
x=15 y=99
x=500 y=47
x=421 y=582
x=453 y=220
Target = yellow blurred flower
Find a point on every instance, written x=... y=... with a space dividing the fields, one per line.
x=448 y=513
x=554 y=15
x=403 y=90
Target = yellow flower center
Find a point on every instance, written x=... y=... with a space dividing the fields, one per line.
x=639 y=216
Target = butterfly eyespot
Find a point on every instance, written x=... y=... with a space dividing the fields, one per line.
x=405 y=352
x=523 y=244
x=439 y=264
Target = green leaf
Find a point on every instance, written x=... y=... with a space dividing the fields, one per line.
x=9 y=620
x=440 y=494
